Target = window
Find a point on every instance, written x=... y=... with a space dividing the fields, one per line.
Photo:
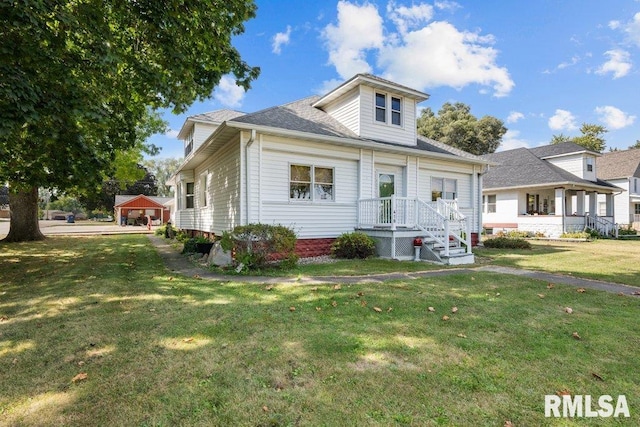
x=637 y=208
x=203 y=190
x=303 y=179
x=189 y=195
x=188 y=143
x=443 y=188
x=396 y=111
x=489 y=203
x=533 y=201
x=589 y=164
x=602 y=208
x=179 y=195
x=381 y=108
x=635 y=185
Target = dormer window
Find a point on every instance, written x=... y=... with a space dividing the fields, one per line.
x=589 y=164
x=395 y=112
x=188 y=144
x=381 y=108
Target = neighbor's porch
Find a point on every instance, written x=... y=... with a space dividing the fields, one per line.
x=400 y=224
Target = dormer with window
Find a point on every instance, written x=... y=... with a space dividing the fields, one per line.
x=375 y=108
x=571 y=157
x=196 y=129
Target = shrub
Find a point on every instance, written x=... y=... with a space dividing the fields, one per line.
x=256 y=245
x=628 y=231
x=189 y=246
x=353 y=245
x=576 y=235
x=506 y=243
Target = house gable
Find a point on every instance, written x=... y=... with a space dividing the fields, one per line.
x=196 y=129
x=140 y=201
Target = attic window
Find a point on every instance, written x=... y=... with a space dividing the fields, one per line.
x=589 y=164
x=396 y=108
x=381 y=108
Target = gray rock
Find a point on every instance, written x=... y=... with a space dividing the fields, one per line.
x=219 y=256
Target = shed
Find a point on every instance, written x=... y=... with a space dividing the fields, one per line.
x=137 y=210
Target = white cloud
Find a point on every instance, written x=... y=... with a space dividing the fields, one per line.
x=406 y=18
x=614 y=25
x=419 y=54
x=447 y=5
x=281 y=39
x=172 y=133
x=614 y=118
x=359 y=29
x=563 y=120
x=619 y=63
x=228 y=93
x=328 y=86
x=632 y=29
x=511 y=140
x=514 y=116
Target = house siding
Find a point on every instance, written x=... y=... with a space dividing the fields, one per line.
x=575 y=164
x=202 y=131
x=621 y=204
x=369 y=128
x=346 y=110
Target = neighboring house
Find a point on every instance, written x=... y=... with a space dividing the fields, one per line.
x=547 y=190
x=137 y=210
x=351 y=159
x=622 y=168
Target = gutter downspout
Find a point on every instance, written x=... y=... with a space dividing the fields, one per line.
x=252 y=138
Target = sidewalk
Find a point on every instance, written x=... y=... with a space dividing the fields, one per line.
x=181 y=265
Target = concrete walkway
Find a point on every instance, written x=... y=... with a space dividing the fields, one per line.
x=181 y=265
x=80 y=228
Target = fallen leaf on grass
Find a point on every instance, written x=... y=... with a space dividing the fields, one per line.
x=334 y=303
x=337 y=287
x=190 y=339
x=454 y=309
x=265 y=408
x=576 y=336
x=541 y=295
x=462 y=336
x=550 y=286
x=568 y=310
x=596 y=376
x=581 y=290
x=445 y=318
x=268 y=287
x=195 y=276
x=378 y=309
x=318 y=308
x=170 y=278
x=4 y=318
x=363 y=303
x=635 y=293
x=292 y=308
x=80 y=377
x=621 y=294
x=563 y=392
x=431 y=309
x=314 y=289
x=508 y=423
x=389 y=309
x=360 y=294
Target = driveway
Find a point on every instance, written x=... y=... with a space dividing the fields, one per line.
x=80 y=228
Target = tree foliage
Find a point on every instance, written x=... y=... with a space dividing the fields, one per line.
x=163 y=169
x=79 y=81
x=456 y=126
x=591 y=137
x=636 y=145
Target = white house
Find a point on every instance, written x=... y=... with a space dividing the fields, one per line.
x=351 y=159
x=622 y=169
x=548 y=190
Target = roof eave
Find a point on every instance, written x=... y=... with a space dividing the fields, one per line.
x=564 y=184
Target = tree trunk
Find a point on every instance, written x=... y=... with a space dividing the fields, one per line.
x=24 y=225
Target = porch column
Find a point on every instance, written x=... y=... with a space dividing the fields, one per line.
x=593 y=204
x=580 y=199
x=568 y=207
x=559 y=201
x=609 y=203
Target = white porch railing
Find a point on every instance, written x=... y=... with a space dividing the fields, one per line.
x=634 y=218
x=440 y=220
x=604 y=225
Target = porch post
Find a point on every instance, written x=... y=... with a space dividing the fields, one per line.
x=393 y=212
x=609 y=202
x=559 y=205
x=580 y=202
x=593 y=204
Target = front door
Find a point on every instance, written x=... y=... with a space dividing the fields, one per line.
x=386 y=184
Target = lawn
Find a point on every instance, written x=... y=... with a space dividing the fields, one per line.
x=93 y=331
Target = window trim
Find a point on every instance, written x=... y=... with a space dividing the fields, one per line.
x=204 y=189
x=398 y=111
x=313 y=184
x=189 y=196
x=387 y=109
x=382 y=108
x=487 y=204
x=443 y=193
x=589 y=163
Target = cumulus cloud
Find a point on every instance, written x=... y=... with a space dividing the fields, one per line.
x=514 y=116
x=228 y=93
x=420 y=53
x=619 y=63
x=358 y=30
x=511 y=139
x=614 y=118
x=563 y=120
x=281 y=39
x=631 y=28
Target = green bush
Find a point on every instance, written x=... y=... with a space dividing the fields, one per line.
x=628 y=231
x=256 y=245
x=576 y=235
x=353 y=245
x=507 y=243
x=189 y=246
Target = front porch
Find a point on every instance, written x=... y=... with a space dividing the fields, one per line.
x=396 y=222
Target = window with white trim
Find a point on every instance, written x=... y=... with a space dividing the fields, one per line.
x=189 y=195
x=489 y=202
x=443 y=188
x=381 y=108
x=589 y=164
x=396 y=111
x=311 y=183
x=188 y=143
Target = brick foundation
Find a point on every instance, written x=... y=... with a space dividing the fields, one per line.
x=306 y=248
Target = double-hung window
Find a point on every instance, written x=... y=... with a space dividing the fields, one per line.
x=381 y=108
x=203 y=190
x=443 y=188
x=489 y=203
x=394 y=109
x=311 y=183
x=189 y=195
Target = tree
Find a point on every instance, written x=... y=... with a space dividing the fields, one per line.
x=636 y=145
x=456 y=126
x=590 y=138
x=80 y=81
x=163 y=169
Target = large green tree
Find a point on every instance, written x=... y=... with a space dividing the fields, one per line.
x=163 y=169
x=456 y=126
x=591 y=137
x=80 y=79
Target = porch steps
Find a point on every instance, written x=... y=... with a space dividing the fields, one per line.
x=433 y=251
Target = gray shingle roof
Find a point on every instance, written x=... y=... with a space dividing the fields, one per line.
x=217 y=116
x=523 y=167
x=619 y=164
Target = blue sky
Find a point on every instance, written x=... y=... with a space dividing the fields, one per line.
x=543 y=67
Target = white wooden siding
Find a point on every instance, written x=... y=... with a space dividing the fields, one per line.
x=369 y=128
x=202 y=131
x=346 y=110
x=575 y=164
x=506 y=208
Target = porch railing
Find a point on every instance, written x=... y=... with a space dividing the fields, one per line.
x=602 y=224
x=440 y=220
x=634 y=218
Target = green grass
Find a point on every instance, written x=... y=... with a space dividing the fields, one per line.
x=610 y=260
x=160 y=349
